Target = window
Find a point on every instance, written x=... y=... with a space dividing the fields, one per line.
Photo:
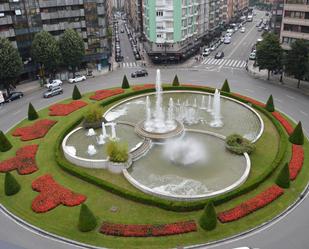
x=1 y=14
x=159 y=13
x=18 y=12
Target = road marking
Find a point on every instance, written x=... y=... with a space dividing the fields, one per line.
x=304 y=113
x=243 y=64
x=230 y=63
x=238 y=64
x=290 y=97
x=234 y=64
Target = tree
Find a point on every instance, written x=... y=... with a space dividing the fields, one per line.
x=297 y=61
x=208 y=220
x=11 y=186
x=226 y=87
x=5 y=144
x=45 y=51
x=297 y=137
x=283 y=179
x=270 y=104
x=87 y=220
x=76 y=93
x=176 y=81
x=72 y=48
x=10 y=64
x=32 y=114
x=125 y=83
x=269 y=53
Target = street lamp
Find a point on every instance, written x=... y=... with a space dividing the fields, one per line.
x=165 y=52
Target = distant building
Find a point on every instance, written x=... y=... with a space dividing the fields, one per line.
x=21 y=20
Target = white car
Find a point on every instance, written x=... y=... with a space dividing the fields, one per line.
x=54 y=83
x=242 y=30
x=206 y=52
x=252 y=56
x=77 y=78
x=227 y=40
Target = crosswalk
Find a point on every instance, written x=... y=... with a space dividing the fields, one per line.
x=131 y=64
x=225 y=62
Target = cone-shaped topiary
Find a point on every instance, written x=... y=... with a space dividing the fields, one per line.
x=283 y=179
x=270 y=104
x=11 y=186
x=87 y=220
x=297 y=137
x=76 y=93
x=5 y=144
x=125 y=83
x=226 y=87
x=208 y=220
x=176 y=81
x=32 y=114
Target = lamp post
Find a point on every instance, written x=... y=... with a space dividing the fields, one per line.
x=165 y=53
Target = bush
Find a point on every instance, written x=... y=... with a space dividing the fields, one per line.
x=5 y=144
x=208 y=220
x=239 y=145
x=283 y=179
x=297 y=137
x=94 y=114
x=176 y=81
x=117 y=152
x=226 y=87
x=125 y=83
x=32 y=114
x=11 y=186
x=87 y=220
x=76 y=93
x=270 y=104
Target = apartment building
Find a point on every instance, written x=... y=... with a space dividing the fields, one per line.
x=276 y=16
x=20 y=20
x=295 y=21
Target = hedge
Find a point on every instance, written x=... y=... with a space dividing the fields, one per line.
x=5 y=144
x=11 y=186
x=32 y=114
x=87 y=221
x=156 y=201
x=297 y=137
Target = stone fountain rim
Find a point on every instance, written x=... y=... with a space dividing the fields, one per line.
x=196 y=92
x=233 y=186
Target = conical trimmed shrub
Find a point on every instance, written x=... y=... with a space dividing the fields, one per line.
x=208 y=220
x=76 y=93
x=226 y=87
x=297 y=137
x=87 y=220
x=32 y=114
x=270 y=104
x=11 y=186
x=5 y=144
x=125 y=83
x=283 y=179
x=176 y=81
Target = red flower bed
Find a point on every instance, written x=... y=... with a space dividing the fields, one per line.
x=286 y=124
x=146 y=86
x=37 y=130
x=196 y=86
x=52 y=194
x=66 y=109
x=102 y=94
x=251 y=205
x=23 y=162
x=297 y=161
x=147 y=230
x=248 y=99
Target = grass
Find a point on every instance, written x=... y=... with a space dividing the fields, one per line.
x=63 y=220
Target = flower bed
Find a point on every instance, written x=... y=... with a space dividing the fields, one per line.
x=143 y=87
x=23 y=162
x=52 y=194
x=147 y=230
x=297 y=161
x=251 y=205
x=35 y=131
x=103 y=94
x=248 y=99
x=286 y=124
x=66 y=109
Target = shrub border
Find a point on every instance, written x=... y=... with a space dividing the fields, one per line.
x=167 y=204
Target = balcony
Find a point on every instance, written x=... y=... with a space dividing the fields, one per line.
x=296 y=35
x=64 y=26
x=4 y=7
x=6 y=20
x=62 y=14
x=297 y=7
x=55 y=3
x=101 y=11
x=7 y=33
x=296 y=21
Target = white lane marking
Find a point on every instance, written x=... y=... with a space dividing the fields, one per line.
x=238 y=64
x=230 y=63
x=290 y=97
x=208 y=60
x=234 y=64
x=217 y=62
x=304 y=113
x=226 y=62
x=221 y=61
x=203 y=62
x=211 y=61
x=243 y=64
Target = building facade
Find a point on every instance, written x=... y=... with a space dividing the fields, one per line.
x=295 y=21
x=276 y=16
x=21 y=20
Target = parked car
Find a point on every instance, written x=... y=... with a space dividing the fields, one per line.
x=242 y=30
x=54 y=83
x=231 y=31
x=121 y=31
x=252 y=56
x=260 y=28
x=53 y=91
x=206 y=52
x=77 y=78
x=219 y=55
x=14 y=96
x=139 y=73
x=227 y=40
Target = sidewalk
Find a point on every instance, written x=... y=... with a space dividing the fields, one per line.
x=275 y=79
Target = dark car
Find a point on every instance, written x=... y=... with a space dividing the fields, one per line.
x=53 y=91
x=139 y=73
x=14 y=96
x=219 y=55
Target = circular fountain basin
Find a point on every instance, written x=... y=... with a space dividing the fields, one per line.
x=237 y=117
x=161 y=171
